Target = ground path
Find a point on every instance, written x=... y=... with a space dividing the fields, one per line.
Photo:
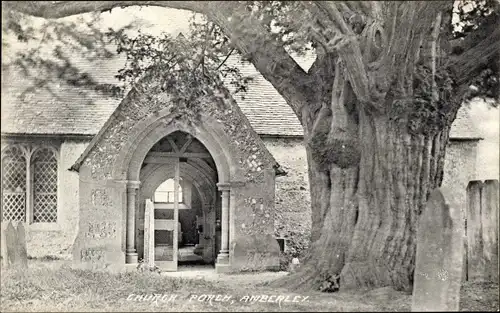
x=208 y=273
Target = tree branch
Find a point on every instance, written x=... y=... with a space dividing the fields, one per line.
x=225 y=59
x=336 y=16
x=347 y=45
x=59 y=9
x=246 y=33
x=469 y=64
x=269 y=57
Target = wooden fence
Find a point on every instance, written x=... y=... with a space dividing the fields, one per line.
x=481 y=231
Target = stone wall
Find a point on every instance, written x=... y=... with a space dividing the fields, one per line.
x=292 y=201
x=486 y=119
x=56 y=239
x=460 y=168
x=253 y=245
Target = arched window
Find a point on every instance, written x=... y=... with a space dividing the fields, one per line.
x=29 y=184
x=13 y=184
x=44 y=164
x=165 y=192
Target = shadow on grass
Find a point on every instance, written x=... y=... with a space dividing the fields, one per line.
x=45 y=258
x=68 y=289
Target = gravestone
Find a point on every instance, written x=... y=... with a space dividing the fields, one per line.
x=14 y=245
x=489 y=222
x=3 y=244
x=21 y=246
x=294 y=265
x=475 y=260
x=149 y=231
x=11 y=244
x=439 y=258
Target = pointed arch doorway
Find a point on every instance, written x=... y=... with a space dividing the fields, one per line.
x=180 y=208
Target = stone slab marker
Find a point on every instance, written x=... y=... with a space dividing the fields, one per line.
x=439 y=258
x=149 y=232
x=475 y=261
x=489 y=222
x=10 y=245
x=21 y=246
x=3 y=244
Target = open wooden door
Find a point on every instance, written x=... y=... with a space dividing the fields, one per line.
x=162 y=234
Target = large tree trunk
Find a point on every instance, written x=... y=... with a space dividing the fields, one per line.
x=375 y=151
x=365 y=213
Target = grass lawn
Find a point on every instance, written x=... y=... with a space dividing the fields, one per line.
x=61 y=288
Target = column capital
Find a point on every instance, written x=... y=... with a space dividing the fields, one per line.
x=133 y=184
x=224 y=186
x=229 y=185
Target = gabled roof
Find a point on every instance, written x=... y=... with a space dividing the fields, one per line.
x=61 y=111
x=463 y=126
x=80 y=111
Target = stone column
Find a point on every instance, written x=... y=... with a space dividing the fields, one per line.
x=206 y=208
x=131 y=253
x=149 y=232
x=223 y=256
x=209 y=232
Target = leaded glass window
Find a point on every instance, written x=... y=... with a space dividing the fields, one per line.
x=14 y=184
x=44 y=186
x=29 y=184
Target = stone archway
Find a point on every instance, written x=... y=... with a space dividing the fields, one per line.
x=110 y=177
x=154 y=128
x=136 y=154
x=152 y=175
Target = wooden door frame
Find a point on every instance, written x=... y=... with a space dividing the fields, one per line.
x=173 y=265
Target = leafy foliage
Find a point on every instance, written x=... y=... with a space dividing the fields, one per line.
x=192 y=68
x=48 y=52
x=471 y=15
x=429 y=114
x=296 y=25
x=473 y=20
x=194 y=65
x=288 y=22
